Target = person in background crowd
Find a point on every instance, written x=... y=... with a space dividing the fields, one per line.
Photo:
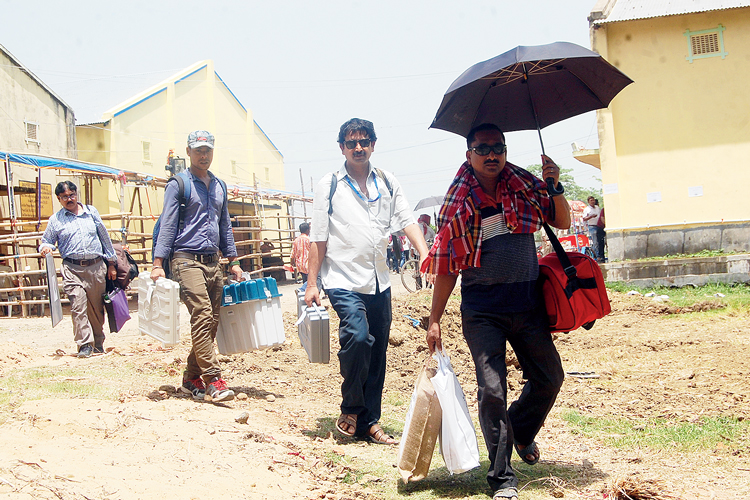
x=591 y=217
x=88 y=261
x=301 y=250
x=427 y=231
x=601 y=234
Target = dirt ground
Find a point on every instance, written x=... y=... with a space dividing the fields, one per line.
x=139 y=439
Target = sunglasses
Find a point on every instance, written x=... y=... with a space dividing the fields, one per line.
x=66 y=198
x=484 y=149
x=353 y=144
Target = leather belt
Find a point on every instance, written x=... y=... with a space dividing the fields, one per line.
x=208 y=258
x=83 y=262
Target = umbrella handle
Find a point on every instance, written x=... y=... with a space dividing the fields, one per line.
x=552 y=189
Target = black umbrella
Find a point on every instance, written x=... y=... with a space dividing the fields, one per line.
x=529 y=88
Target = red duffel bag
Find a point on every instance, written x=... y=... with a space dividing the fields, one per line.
x=573 y=288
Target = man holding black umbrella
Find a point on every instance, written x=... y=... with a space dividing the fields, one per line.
x=486 y=233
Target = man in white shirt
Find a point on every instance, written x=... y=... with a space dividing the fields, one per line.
x=354 y=211
x=591 y=217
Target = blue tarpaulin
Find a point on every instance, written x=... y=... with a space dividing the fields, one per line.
x=37 y=161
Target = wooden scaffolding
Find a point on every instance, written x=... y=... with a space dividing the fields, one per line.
x=258 y=216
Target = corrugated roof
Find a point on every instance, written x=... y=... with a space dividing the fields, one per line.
x=628 y=10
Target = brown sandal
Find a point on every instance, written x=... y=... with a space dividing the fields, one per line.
x=377 y=435
x=350 y=421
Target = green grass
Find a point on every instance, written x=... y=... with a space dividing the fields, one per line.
x=661 y=434
x=702 y=253
x=736 y=296
x=90 y=380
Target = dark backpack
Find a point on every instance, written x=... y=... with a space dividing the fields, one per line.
x=127 y=268
x=335 y=182
x=184 y=190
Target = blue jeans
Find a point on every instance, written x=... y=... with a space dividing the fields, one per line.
x=365 y=324
x=600 y=241
x=596 y=235
x=528 y=334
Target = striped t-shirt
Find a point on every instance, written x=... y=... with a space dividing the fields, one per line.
x=506 y=280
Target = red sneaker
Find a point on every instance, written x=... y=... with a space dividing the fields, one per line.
x=195 y=386
x=217 y=390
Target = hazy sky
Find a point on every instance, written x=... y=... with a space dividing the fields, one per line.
x=304 y=67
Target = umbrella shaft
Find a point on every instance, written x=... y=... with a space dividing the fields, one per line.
x=533 y=108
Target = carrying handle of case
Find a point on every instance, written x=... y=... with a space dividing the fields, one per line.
x=318 y=309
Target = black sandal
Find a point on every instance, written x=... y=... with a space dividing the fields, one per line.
x=531 y=449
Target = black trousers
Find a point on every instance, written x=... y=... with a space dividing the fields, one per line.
x=528 y=334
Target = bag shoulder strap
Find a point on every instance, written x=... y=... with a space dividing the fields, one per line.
x=385 y=179
x=570 y=269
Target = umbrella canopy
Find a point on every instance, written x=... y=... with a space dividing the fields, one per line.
x=529 y=88
x=432 y=201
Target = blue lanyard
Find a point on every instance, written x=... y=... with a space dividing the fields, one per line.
x=361 y=196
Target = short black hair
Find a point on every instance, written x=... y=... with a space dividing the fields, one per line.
x=357 y=125
x=304 y=228
x=62 y=186
x=479 y=128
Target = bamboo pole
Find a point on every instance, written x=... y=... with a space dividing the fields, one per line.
x=20 y=223
x=24 y=302
x=23 y=288
x=24 y=273
x=115 y=216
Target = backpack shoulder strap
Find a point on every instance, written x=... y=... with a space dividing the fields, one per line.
x=385 y=179
x=334 y=184
x=184 y=190
x=226 y=194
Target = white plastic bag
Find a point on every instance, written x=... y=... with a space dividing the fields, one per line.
x=458 y=439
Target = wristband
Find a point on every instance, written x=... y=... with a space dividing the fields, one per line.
x=156 y=267
x=234 y=263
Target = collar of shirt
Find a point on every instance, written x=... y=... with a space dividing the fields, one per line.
x=356 y=232
x=84 y=210
x=458 y=242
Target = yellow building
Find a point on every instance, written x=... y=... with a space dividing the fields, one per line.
x=139 y=134
x=674 y=145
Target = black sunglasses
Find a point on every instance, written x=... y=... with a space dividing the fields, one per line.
x=353 y=144
x=484 y=149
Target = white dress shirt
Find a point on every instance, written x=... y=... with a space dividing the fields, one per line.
x=357 y=230
x=589 y=210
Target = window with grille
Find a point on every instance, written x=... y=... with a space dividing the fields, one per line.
x=268 y=174
x=234 y=167
x=146 y=150
x=705 y=43
x=32 y=132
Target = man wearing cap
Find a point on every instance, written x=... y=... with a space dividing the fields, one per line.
x=88 y=259
x=194 y=246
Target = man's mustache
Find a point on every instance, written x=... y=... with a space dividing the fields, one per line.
x=488 y=161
